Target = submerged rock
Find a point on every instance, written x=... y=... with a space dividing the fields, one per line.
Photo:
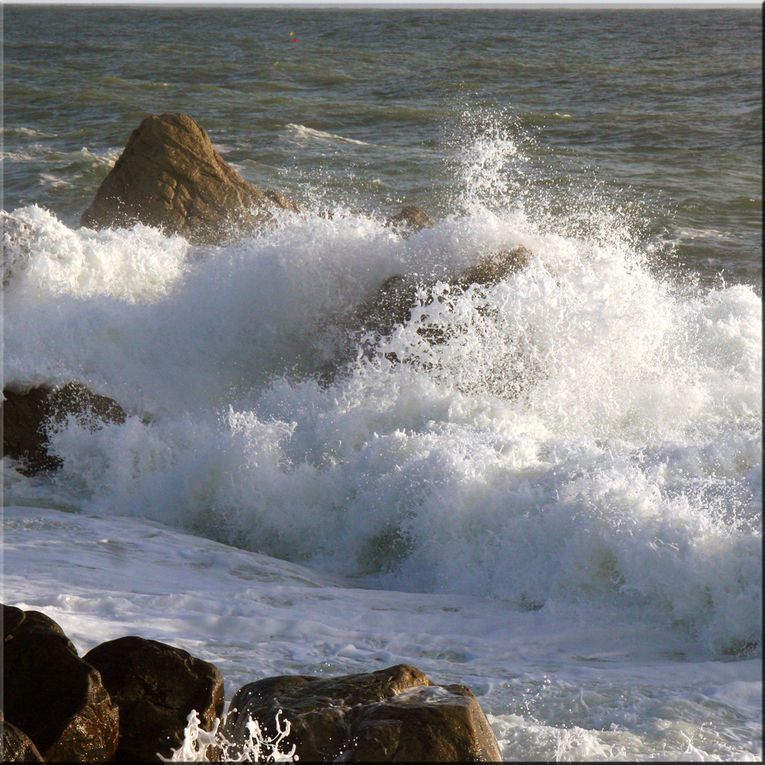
x=53 y=696
x=392 y=304
x=156 y=686
x=393 y=715
x=411 y=218
x=494 y=267
x=28 y=413
x=171 y=176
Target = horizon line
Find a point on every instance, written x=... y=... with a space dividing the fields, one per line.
x=403 y=4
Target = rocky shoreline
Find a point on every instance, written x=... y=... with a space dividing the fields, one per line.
x=129 y=700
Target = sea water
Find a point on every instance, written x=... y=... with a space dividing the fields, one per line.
x=558 y=505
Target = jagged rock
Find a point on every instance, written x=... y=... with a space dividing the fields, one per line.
x=411 y=218
x=156 y=686
x=170 y=176
x=396 y=714
x=52 y=695
x=16 y=745
x=28 y=413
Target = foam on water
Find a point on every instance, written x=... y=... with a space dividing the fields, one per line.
x=587 y=431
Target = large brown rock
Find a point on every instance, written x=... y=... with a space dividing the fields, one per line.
x=27 y=415
x=394 y=715
x=170 y=176
x=16 y=745
x=156 y=686
x=52 y=695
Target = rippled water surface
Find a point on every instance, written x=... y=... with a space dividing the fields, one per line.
x=661 y=106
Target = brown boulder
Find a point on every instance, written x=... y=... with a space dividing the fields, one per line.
x=170 y=176
x=28 y=414
x=52 y=695
x=156 y=686
x=411 y=218
x=17 y=746
x=395 y=714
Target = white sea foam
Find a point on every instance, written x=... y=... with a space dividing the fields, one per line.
x=198 y=743
x=589 y=432
x=303 y=132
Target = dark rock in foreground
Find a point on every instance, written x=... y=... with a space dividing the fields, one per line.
x=395 y=714
x=411 y=218
x=52 y=695
x=156 y=686
x=170 y=176
x=27 y=414
x=17 y=746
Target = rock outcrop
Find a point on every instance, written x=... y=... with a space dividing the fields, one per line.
x=28 y=413
x=394 y=715
x=156 y=686
x=171 y=176
x=52 y=695
x=410 y=218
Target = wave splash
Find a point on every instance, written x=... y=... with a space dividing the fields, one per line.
x=586 y=430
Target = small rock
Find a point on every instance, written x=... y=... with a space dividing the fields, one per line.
x=411 y=218
x=171 y=176
x=27 y=414
x=393 y=715
x=156 y=686
x=52 y=695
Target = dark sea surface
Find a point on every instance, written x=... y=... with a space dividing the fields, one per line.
x=657 y=107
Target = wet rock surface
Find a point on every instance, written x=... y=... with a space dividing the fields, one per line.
x=396 y=714
x=52 y=695
x=16 y=745
x=156 y=686
x=28 y=413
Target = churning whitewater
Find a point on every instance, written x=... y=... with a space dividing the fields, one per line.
x=586 y=431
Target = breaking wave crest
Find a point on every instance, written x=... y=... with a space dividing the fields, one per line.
x=587 y=429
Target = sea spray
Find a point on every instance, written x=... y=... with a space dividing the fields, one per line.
x=200 y=745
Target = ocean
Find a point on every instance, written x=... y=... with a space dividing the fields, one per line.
x=560 y=505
